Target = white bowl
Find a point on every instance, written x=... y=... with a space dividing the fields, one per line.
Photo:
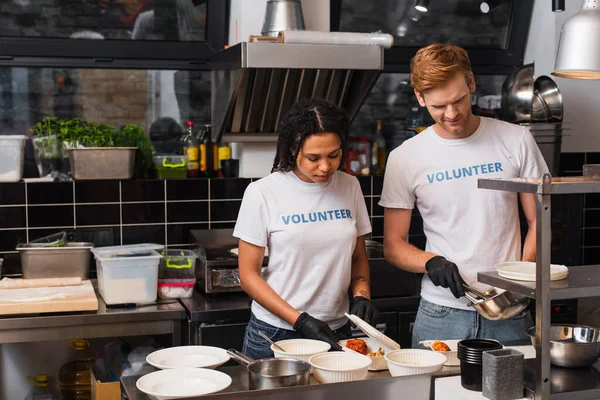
x=452 y=354
x=300 y=349
x=414 y=361
x=379 y=363
x=188 y=356
x=180 y=383
x=339 y=366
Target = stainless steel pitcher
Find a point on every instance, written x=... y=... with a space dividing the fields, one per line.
x=282 y=15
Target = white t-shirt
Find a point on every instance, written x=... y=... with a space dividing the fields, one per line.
x=310 y=230
x=474 y=228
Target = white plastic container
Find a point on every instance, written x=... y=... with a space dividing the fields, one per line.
x=12 y=152
x=379 y=363
x=339 y=366
x=127 y=274
x=414 y=361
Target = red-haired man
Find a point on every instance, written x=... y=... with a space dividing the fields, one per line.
x=468 y=229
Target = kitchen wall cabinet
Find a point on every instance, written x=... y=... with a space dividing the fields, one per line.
x=162 y=34
x=495 y=36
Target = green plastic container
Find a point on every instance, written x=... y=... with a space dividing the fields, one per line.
x=171 y=166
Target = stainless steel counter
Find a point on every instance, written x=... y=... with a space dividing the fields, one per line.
x=155 y=319
x=377 y=385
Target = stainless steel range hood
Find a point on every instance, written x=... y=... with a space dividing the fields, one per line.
x=254 y=84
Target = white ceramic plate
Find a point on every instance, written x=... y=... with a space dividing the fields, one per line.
x=525 y=271
x=179 y=383
x=371 y=332
x=188 y=356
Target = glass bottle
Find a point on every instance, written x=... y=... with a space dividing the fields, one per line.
x=190 y=149
x=378 y=164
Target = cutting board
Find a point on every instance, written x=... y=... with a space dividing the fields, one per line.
x=48 y=299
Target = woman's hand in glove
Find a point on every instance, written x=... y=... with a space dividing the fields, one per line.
x=313 y=328
x=364 y=309
x=445 y=273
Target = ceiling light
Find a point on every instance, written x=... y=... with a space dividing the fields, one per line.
x=558 y=5
x=489 y=5
x=578 y=54
x=422 y=5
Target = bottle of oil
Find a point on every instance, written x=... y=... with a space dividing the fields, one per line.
x=378 y=166
x=190 y=149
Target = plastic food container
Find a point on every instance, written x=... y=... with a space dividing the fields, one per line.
x=70 y=261
x=170 y=166
x=414 y=362
x=339 y=366
x=128 y=274
x=177 y=264
x=379 y=363
x=12 y=151
x=176 y=288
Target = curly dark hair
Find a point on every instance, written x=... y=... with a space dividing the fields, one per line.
x=305 y=118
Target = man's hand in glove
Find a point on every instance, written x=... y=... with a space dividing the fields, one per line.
x=365 y=310
x=445 y=273
x=313 y=328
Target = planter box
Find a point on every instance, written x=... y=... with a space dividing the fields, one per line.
x=102 y=162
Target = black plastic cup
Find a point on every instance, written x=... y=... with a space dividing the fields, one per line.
x=470 y=355
x=230 y=168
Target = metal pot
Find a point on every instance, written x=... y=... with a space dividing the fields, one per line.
x=495 y=305
x=271 y=373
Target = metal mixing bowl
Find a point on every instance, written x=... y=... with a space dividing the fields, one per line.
x=497 y=304
x=572 y=346
x=548 y=92
x=517 y=95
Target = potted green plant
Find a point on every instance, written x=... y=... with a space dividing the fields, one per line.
x=98 y=151
x=47 y=148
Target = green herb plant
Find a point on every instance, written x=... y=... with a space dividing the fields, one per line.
x=77 y=132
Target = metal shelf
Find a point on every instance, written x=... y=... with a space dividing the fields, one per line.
x=582 y=281
x=558 y=185
x=566 y=383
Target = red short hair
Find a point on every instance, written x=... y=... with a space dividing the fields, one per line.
x=436 y=64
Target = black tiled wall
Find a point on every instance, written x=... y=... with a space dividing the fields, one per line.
x=164 y=211
x=126 y=212
x=571 y=164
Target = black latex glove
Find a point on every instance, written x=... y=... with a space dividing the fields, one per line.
x=445 y=273
x=313 y=328
x=365 y=310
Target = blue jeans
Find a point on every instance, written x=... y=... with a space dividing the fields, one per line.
x=256 y=347
x=440 y=322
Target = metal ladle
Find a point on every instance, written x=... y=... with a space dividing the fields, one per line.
x=271 y=342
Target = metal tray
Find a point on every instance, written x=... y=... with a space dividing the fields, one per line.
x=102 y=162
x=70 y=261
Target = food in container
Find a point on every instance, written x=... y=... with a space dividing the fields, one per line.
x=128 y=274
x=376 y=351
x=176 y=288
x=414 y=361
x=357 y=345
x=338 y=366
x=439 y=346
